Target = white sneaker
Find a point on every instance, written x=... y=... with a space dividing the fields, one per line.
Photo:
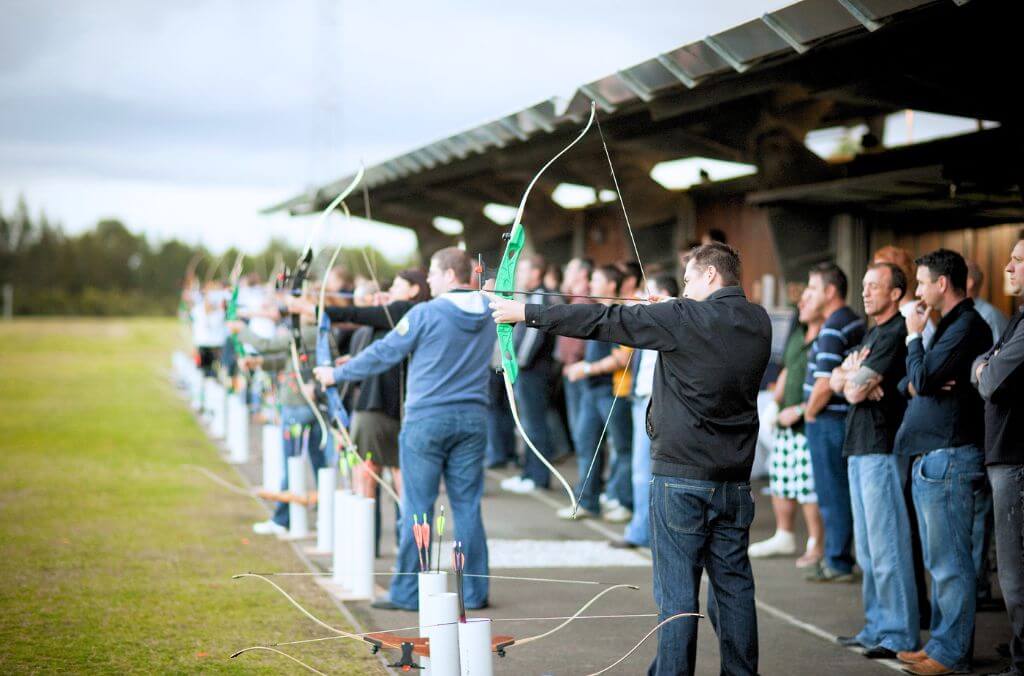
x=524 y=486
x=610 y=504
x=581 y=513
x=268 y=527
x=618 y=514
x=511 y=483
x=603 y=499
x=780 y=544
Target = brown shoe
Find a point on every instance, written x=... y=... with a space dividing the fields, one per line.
x=911 y=656
x=928 y=667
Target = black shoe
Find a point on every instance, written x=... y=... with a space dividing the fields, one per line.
x=879 y=653
x=386 y=604
x=1010 y=670
x=622 y=544
x=497 y=465
x=849 y=642
x=1003 y=650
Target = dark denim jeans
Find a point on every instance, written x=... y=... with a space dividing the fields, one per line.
x=294 y=421
x=825 y=442
x=595 y=406
x=501 y=430
x=1008 y=496
x=449 y=445
x=697 y=526
x=531 y=388
x=638 y=530
x=882 y=529
x=945 y=481
x=573 y=400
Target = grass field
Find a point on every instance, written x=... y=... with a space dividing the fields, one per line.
x=114 y=558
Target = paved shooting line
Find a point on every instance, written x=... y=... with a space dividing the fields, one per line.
x=777 y=613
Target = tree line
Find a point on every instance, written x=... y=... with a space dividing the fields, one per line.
x=110 y=271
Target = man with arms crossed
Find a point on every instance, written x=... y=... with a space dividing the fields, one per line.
x=713 y=348
x=999 y=376
x=869 y=379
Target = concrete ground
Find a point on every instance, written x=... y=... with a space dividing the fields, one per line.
x=797 y=621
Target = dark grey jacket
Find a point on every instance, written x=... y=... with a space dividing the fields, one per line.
x=1002 y=387
x=702 y=418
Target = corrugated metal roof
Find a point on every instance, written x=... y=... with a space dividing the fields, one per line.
x=787 y=32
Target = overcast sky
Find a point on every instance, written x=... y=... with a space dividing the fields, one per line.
x=184 y=119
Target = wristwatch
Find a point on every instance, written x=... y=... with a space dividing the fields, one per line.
x=912 y=336
x=586 y=368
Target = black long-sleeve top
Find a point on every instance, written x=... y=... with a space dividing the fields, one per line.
x=935 y=417
x=1002 y=387
x=382 y=392
x=702 y=418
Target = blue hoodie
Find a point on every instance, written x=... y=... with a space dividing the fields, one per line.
x=451 y=339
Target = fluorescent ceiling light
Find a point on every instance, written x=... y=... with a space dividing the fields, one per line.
x=449 y=226
x=502 y=214
x=684 y=173
x=607 y=196
x=573 y=196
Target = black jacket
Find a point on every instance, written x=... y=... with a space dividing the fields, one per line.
x=1002 y=387
x=937 y=418
x=702 y=418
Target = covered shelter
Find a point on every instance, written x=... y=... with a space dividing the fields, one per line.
x=752 y=96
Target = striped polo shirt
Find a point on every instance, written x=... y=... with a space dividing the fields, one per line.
x=842 y=332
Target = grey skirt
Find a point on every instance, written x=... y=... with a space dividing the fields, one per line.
x=375 y=434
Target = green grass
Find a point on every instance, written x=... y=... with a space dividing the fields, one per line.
x=113 y=558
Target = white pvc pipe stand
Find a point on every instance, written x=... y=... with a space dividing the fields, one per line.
x=195 y=385
x=326 y=483
x=475 y=658
x=238 y=429
x=297 y=524
x=362 y=548
x=442 y=615
x=343 y=526
x=273 y=457
x=429 y=583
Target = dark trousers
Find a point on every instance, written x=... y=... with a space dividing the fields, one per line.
x=501 y=431
x=1008 y=496
x=697 y=526
x=531 y=388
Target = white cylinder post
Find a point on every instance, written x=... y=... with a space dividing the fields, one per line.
x=273 y=457
x=443 y=633
x=238 y=429
x=298 y=526
x=215 y=401
x=429 y=583
x=343 y=527
x=362 y=548
x=326 y=483
x=475 y=647
x=195 y=384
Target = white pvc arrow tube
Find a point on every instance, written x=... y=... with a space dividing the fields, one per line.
x=443 y=633
x=326 y=484
x=475 y=658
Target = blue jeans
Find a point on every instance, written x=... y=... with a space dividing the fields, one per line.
x=825 y=442
x=531 y=388
x=944 y=485
x=1008 y=494
x=698 y=525
x=573 y=401
x=981 y=538
x=595 y=405
x=297 y=418
x=638 y=529
x=620 y=433
x=449 y=445
x=882 y=530
x=501 y=432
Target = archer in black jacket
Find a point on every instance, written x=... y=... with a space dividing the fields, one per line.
x=713 y=346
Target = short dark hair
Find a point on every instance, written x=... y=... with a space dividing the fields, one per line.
x=948 y=264
x=897 y=279
x=723 y=257
x=633 y=269
x=716 y=235
x=612 y=273
x=832 y=274
x=667 y=283
x=458 y=261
